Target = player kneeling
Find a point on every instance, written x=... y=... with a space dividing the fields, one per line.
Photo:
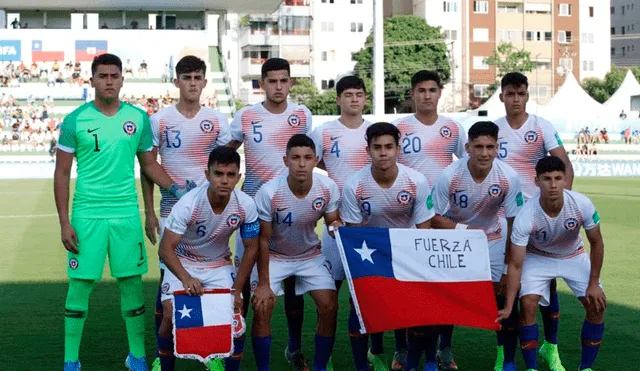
x=290 y=207
x=545 y=245
x=195 y=247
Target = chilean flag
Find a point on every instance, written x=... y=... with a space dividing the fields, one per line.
x=202 y=325
x=39 y=55
x=403 y=278
x=87 y=50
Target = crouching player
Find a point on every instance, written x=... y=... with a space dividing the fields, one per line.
x=195 y=247
x=289 y=207
x=468 y=195
x=545 y=245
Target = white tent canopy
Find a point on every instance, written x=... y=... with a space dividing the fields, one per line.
x=621 y=100
x=495 y=108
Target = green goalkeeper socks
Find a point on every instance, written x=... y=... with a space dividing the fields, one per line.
x=132 y=305
x=75 y=313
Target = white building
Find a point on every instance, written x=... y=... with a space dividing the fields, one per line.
x=625 y=36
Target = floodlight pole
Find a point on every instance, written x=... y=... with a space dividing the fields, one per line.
x=378 y=58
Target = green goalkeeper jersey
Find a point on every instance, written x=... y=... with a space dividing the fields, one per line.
x=105 y=149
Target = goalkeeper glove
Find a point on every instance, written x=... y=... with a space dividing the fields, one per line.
x=181 y=190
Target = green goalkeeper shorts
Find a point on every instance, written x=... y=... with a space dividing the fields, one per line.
x=121 y=239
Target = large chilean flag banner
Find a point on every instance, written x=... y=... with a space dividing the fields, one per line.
x=403 y=278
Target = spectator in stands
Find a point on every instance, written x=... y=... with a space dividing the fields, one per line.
x=593 y=151
x=134 y=25
x=15 y=24
x=143 y=69
x=604 y=135
x=104 y=26
x=635 y=136
x=60 y=78
x=165 y=73
x=51 y=80
x=25 y=25
x=48 y=102
x=626 y=134
x=55 y=67
x=128 y=69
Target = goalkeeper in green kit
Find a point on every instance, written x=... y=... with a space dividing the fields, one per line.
x=105 y=136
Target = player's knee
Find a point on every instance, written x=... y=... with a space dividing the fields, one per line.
x=328 y=307
x=592 y=314
x=528 y=308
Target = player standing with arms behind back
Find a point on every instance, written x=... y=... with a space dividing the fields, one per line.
x=264 y=129
x=183 y=135
x=523 y=140
x=546 y=245
x=105 y=136
x=384 y=194
x=468 y=195
x=429 y=142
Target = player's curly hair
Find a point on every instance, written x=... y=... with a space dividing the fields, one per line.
x=382 y=128
x=275 y=64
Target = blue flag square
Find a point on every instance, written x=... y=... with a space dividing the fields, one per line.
x=187 y=311
x=368 y=251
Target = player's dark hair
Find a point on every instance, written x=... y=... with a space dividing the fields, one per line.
x=515 y=79
x=349 y=82
x=223 y=156
x=424 y=75
x=107 y=60
x=382 y=128
x=300 y=140
x=189 y=64
x=483 y=128
x=275 y=64
x=548 y=164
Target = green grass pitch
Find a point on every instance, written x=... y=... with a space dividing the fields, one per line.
x=33 y=287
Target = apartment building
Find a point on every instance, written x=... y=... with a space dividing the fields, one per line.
x=625 y=36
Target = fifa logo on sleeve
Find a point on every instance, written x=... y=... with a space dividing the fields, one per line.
x=445 y=132
x=570 y=224
x=404 y=197
x=318 y=204
x=233 y=220
x=206 y=126
x=129 y=127
x=495 y=191
x=165 y=288
x=294 y=120
x=531 y=137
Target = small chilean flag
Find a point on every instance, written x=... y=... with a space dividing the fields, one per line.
x=402 y=278
x=202 y=325
x=39 y=55
x=86 y=50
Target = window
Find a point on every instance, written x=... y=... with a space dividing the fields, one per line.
x=326 y=26
x=509 y=35
x=323 y=56
x=539 y=35
x=449 y=6
x=613 y=30
x=591 y=11
x=296 y=2
x=481 y=6
x=356 y=1
x=535 y=8
x=481 y=34
x=622 y=8
x=479 y=63
x=587 y=65
x=564 y=37
x=295 y=25
x=327 y=1
x=548 y=36
x=566 y=63
x=357 y=27
x=539 y=91
x=613 y=10
x=623 y=51
x=327 y=84
x=564 y=10
x=542 y=64
x=481 y=90
x=451 y=35
x=587 y=38
x=613 y=51
x=509 y=8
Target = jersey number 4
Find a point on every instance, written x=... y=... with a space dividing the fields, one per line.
x=286 y=220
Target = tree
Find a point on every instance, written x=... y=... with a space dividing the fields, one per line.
x=410 y=45
x=602 y=89
x=319 y=103
x=506 y=58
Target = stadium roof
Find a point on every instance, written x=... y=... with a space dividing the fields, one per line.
x=236 y=6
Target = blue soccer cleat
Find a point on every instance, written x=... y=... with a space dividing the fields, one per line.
x=135 y=364
x=509 y=366
x=430 y=366
x=72 y=366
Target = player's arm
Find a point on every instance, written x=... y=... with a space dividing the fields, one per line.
x=423 y=212
x=250 y=234
x=263 y=293
x=517 y=254
x=152 y=226
x=61 y=179
x=168 y=245
x=507 y=254
x=234 y=144
x=561 y=153
x=235 y=131
x=595 y=295
x=316 y=135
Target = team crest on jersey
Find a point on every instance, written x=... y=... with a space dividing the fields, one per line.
x=206 y=126
x=294 y=120
x=570 y=224
x=318 y=204
x=531 y=137
x=495 y=190
x=73 y=263
x=404 y=197
x=129 y=127
x=165 y=288
x=233 y=220
x=445 y=132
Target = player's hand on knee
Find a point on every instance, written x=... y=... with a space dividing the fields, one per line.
x=193 y=286
x=263 y=296
x=70 y=239
x=152 y=227
x=596 y=298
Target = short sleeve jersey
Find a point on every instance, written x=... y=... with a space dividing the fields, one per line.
x=184 y=146
x=265 y=136
x=457 y=196
x=557 y=237
x=205 y=234
x=522 y=148
x=343 y=150
x=404 y=205
x=294 y=219
x=430 y=148
x=105 y=149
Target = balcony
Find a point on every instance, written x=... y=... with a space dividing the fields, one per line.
x=251 y=67
x=259 y=37
x=235 y=6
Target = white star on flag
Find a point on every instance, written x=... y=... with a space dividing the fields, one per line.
x=36 y=45
x=365 y=252
x=184 y=311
